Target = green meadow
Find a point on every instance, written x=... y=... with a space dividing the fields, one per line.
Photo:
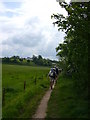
x=20 y=102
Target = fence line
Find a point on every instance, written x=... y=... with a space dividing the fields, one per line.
x=35 y=80
x=24 y=85
x=3 y=96
x=4 y=90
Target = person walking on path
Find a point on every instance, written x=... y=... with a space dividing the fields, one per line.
x=52 y=76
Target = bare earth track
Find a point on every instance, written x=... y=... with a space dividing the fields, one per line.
x=41 y=111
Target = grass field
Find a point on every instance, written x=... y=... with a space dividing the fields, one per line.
x=65 y=103
x=20 y=103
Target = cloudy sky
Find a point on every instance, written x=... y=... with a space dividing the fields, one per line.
x=26 y=28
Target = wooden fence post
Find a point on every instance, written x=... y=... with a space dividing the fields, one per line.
x=46 y=75
x=3 y=96
x=24 y=85
x=35 y=80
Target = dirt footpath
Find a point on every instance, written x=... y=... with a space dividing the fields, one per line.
x=41 y=111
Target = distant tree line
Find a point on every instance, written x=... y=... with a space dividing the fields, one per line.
x=33 y=61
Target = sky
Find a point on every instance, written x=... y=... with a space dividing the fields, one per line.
x=26 y=28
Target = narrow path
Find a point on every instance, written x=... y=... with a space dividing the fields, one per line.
x=41 y=111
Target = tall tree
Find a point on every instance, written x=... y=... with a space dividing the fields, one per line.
x=74 y=50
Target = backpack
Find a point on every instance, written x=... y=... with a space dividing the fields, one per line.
x=51 y=74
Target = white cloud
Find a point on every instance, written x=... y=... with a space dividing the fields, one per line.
x=29 y=30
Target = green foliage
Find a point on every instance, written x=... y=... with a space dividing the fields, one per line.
x=73 y=51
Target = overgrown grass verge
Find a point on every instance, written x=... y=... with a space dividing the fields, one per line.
x=25 y=104
x=20 y=103
x=65 y=102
